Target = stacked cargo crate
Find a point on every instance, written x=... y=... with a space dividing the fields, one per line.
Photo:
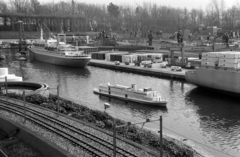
x=179 y=61
x=170 y=59
x=210 y=59
x=87 y=49
x=229 y=60
x=157 y=57
x=127 y=59
x=149 y=56
x=101 y=55
x=115 y=56
x=98 y=55
x=94 y=56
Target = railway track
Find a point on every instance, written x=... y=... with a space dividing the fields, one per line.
x=80 y=138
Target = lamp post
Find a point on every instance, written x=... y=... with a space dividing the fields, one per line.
x=106 y=106
x=20 y=34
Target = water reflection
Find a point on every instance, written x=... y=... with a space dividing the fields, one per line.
x=219 y=117
x=60 y=70
x=216 y=106
x=172 y=86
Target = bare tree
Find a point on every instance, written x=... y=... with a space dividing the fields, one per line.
x=216 y=11
x=147 y=16
x=20 y=6
x=35 y=7
x=3 y=7
x=193 y=18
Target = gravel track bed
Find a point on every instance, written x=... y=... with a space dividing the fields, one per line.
x=85 y=139
x=64 y=144
x=121 y=144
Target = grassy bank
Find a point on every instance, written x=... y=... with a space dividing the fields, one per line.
x=13 y=147
x=105 y=121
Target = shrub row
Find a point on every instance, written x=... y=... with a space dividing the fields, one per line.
x=105 y=121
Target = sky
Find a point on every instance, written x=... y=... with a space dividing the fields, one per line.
x=173 y=3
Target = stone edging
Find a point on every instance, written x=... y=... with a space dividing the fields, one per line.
x=46 y=147
x=175 y=140
x=2 y=154
x=92 y=126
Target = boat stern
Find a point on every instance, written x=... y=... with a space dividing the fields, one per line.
x=95 y=90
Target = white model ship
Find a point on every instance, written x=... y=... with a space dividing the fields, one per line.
x=143 y=96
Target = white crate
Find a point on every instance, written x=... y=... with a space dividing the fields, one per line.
x=219 y=45
x=229 y=60
x=210 y=59
x=208 y=63
x=210 y=55
x=128 y=58
x=230 y=55
x=108 y=56
x=230 y=65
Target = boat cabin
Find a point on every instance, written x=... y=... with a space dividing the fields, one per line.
x=132 y=92
x=147 y=89
x=51 y=42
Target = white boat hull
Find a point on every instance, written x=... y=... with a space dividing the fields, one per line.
x=153 y=103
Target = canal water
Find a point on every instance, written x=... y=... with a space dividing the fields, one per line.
x=204 y=117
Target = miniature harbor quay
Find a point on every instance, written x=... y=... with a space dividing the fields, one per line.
x=156 y=70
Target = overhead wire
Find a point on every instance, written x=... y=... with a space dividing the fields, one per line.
x=143 y=123
x=195 y=141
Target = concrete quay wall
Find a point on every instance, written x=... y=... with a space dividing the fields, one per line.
x=154 y=71
x=45 y=146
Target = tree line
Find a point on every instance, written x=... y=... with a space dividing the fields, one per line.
x=148 y=16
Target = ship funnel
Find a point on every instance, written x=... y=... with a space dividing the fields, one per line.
x=134 y=86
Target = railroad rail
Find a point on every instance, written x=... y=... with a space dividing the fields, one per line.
x=64 y=130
